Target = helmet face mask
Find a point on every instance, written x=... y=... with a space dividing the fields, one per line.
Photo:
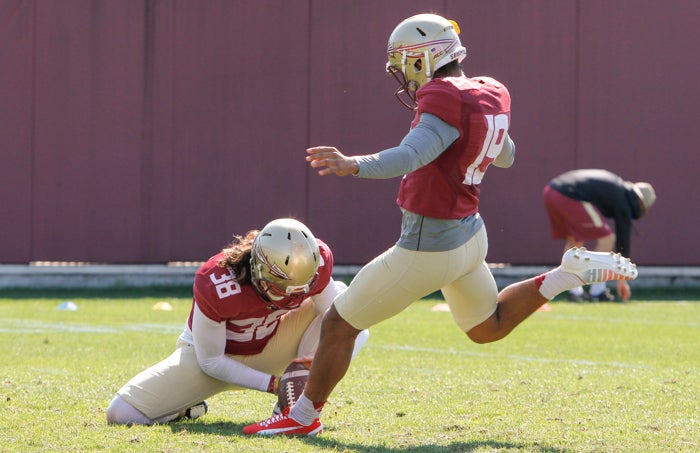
x=288 y=298
x=283 y=262
x=419 y=46
x=406 y=92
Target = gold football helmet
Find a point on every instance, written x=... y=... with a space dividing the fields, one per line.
x=419 y=46
x=284 y=259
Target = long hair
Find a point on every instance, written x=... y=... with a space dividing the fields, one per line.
x=237 y=256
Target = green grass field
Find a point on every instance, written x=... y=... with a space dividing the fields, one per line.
x=580 y=378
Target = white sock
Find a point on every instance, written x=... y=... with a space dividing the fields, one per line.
x=303 y=411
x=578 y=291
x=597 y=289
x=557 y=281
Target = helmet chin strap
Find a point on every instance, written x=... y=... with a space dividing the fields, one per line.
x=427 y=65
x=274 y=298
x=403 y=64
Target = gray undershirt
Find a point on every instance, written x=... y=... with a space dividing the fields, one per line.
x=423 y=144
x=428 y=234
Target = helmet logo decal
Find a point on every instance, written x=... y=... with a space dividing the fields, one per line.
x=436 y=48
x=274 y=269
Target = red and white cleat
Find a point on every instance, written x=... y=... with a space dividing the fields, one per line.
x=282 y=424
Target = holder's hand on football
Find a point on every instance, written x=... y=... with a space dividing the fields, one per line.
x=333 y=160
x=274 y=384
x=305 y=360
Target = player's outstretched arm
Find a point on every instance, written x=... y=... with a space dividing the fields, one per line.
x=623 y=290
x=333 y=160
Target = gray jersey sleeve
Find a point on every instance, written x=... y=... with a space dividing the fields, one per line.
x=507 y=156
x=423 y=144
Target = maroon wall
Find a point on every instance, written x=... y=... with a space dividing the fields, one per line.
x=151 y=131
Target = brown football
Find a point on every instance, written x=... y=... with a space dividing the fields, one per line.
x=292 y=384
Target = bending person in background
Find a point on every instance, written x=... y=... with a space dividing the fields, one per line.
x=578 y=203
x=460 y=128
x=257 y=306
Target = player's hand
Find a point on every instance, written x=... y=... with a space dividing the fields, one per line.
x=274 y=384
x=333 y=160
x=305 y=360
x=623 y=290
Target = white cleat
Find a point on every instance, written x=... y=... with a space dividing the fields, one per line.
x=196 y=411
x=592 y=267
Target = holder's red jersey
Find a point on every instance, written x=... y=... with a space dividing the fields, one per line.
x=250 y=320
x=448 y=187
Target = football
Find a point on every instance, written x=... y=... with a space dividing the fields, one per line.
x=292 y=384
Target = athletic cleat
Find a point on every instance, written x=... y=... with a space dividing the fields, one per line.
x=282 y=424
x=605 y=296
x=196 y=411
x=593 y=267
x=577 y=297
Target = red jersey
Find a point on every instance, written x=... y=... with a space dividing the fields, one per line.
x=250 y=320
x=448 y=187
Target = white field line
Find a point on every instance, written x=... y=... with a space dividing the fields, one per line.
x=19 y=326
x=16 y=326
x=521 y=358
x=9 y=325
x=31 y=326
x=629 y=321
